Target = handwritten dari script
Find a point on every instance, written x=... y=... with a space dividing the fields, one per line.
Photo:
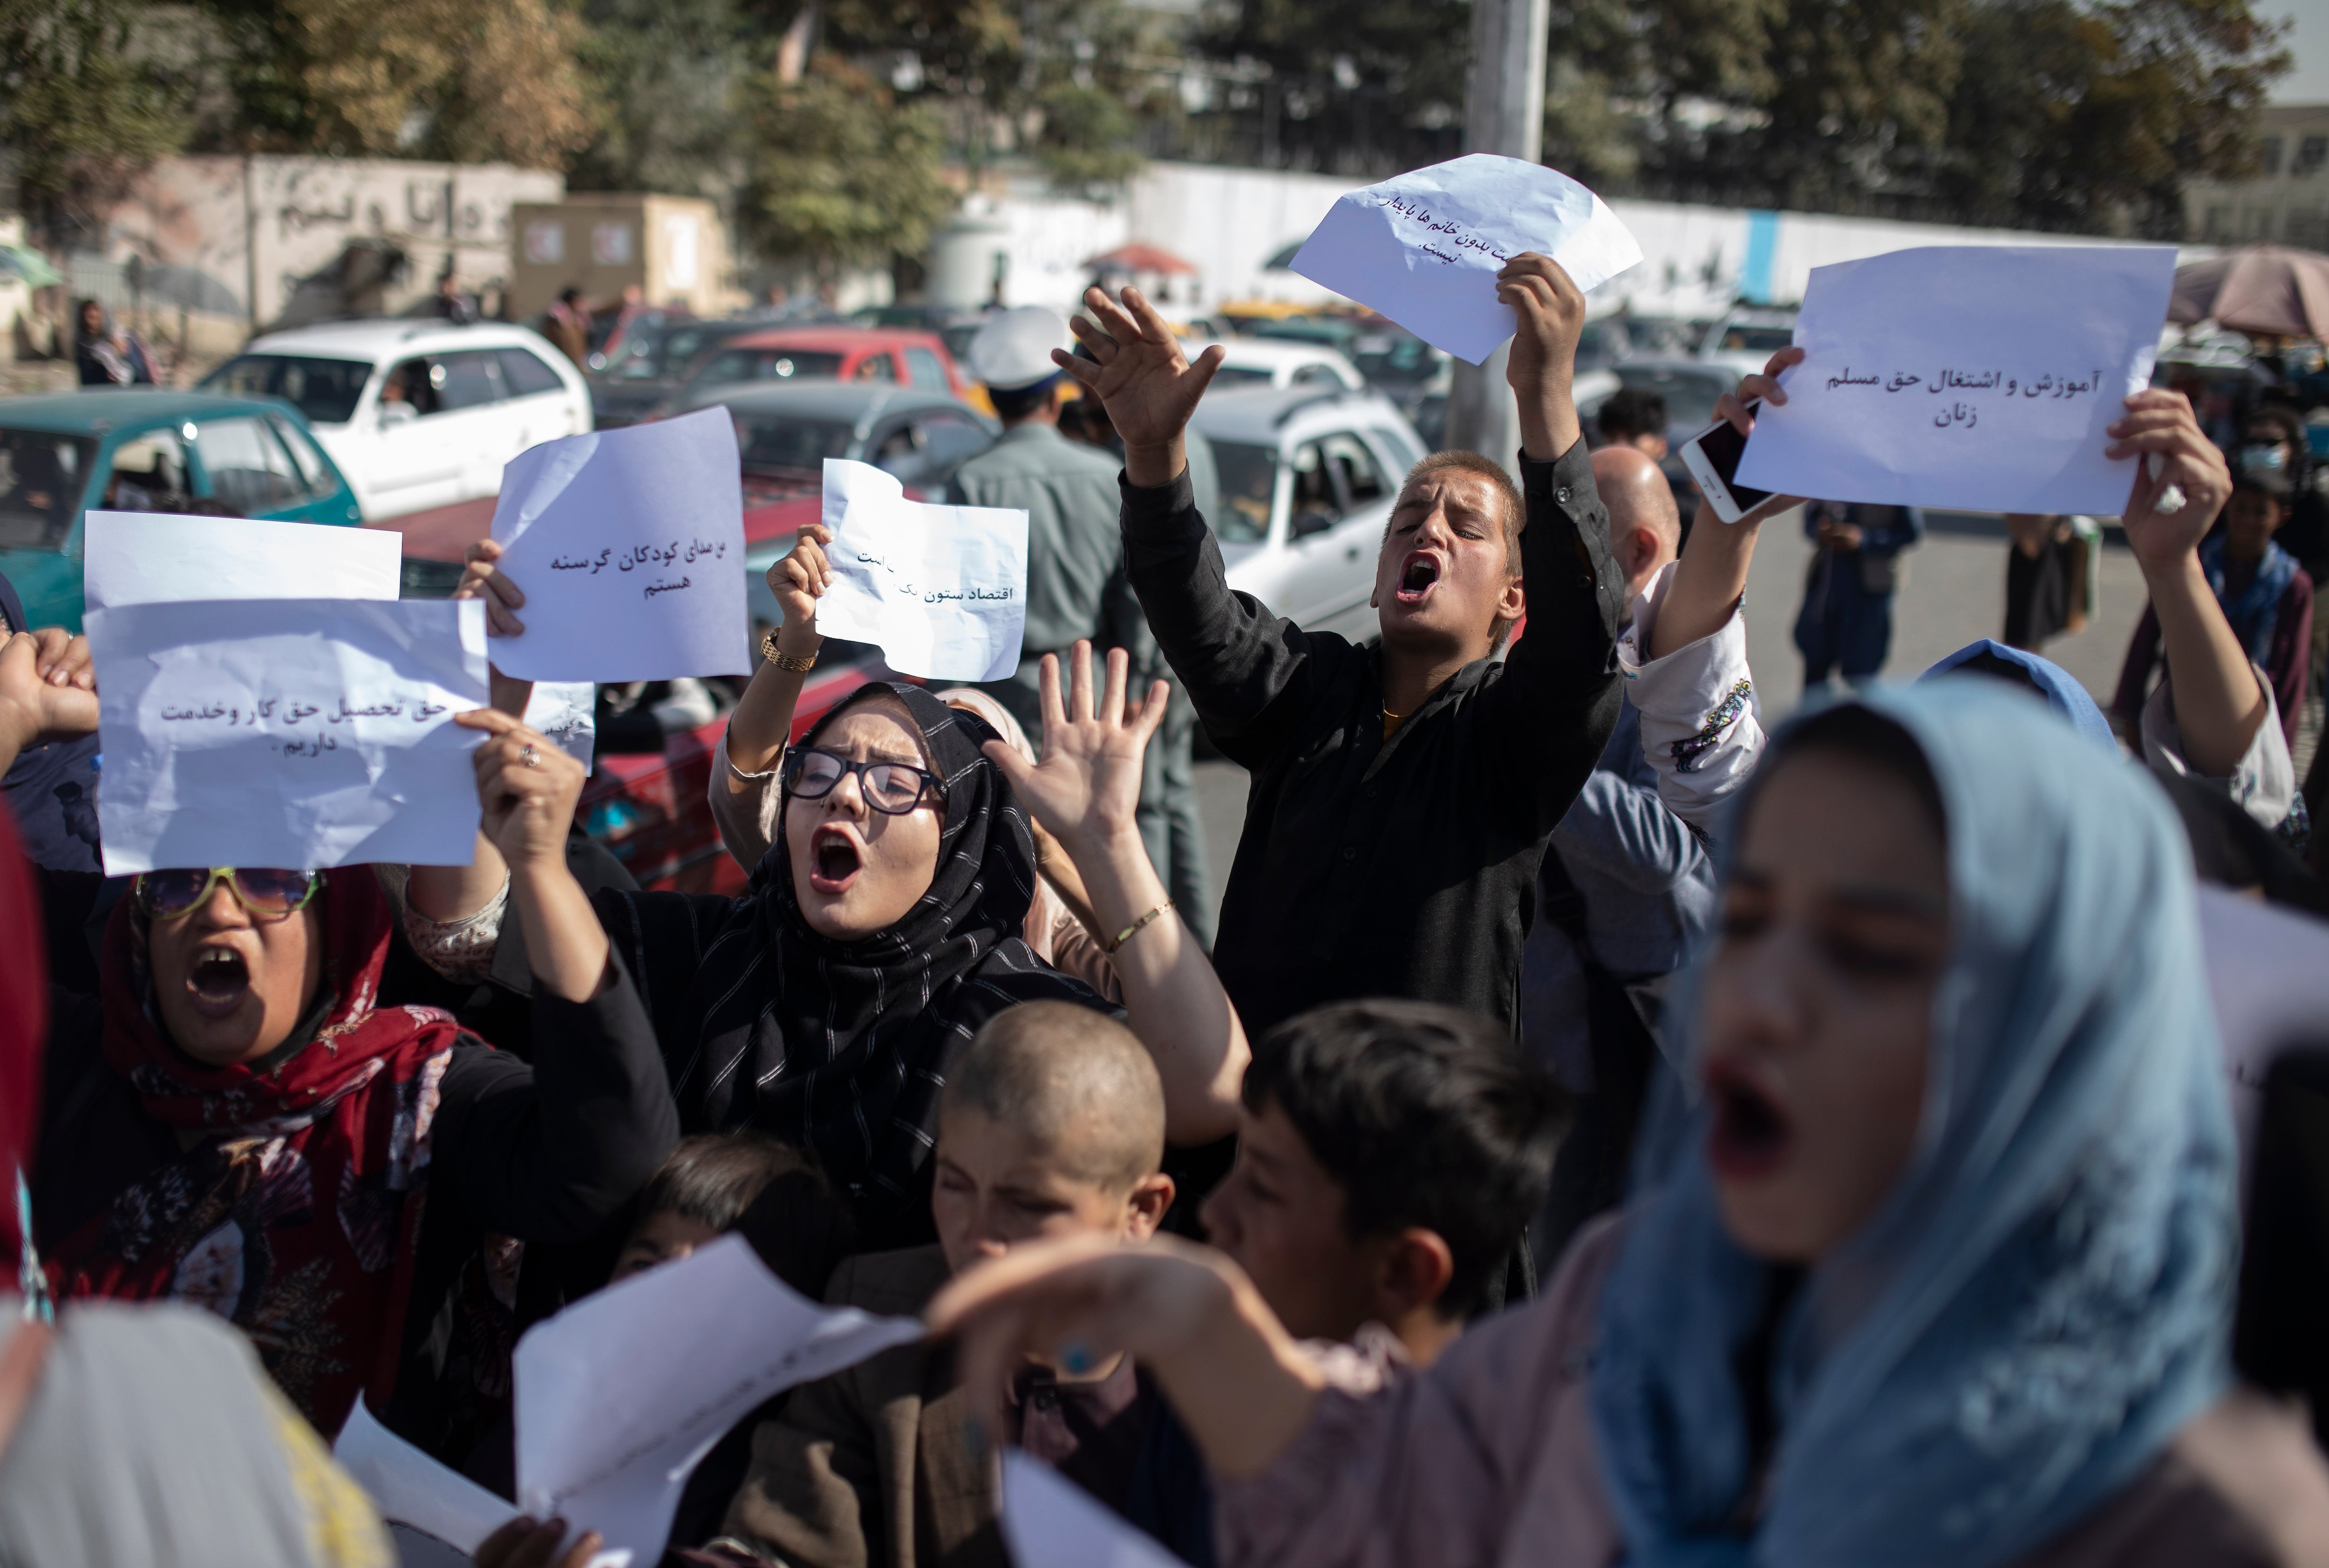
x=1458 y=237
x=273 y=711
x=1958 y=413
x=936 y=595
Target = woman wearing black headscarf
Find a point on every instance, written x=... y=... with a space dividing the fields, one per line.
x=882 y=929
x=105 y=357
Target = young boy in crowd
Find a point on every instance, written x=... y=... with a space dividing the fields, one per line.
x=1392 y=1154
x=714 y=1184
x=1052 y=1123
x=1402 y=795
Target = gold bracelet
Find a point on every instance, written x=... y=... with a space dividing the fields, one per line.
x=1127 y=933
x=793 y=663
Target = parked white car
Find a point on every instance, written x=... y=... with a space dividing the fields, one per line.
x=1264 y=362
x=1307 y=478
x=417 y=414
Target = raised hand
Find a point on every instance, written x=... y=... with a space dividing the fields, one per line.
x=2161 y=422
x=1733 y=406
x=522 y=1543
x=1139 y=372
x=1086 y=788
x=799 y=581
x=482 y=579
x=1186 y=1313
x=527 y=788
x=47 y=690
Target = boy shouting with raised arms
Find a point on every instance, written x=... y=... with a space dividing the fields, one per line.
x=1402 y=794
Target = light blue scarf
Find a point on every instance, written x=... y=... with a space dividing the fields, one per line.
x=2059 y=688
x=2044 y=1299
x=2255 y=612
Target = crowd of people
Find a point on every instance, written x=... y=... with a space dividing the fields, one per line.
x=1600 y=1129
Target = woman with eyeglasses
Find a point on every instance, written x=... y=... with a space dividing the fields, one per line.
x=234 y=1123
x=820 y=1007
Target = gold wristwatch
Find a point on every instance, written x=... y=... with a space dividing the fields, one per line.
x=793 y=663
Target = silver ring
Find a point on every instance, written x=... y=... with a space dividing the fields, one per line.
x=528 y=756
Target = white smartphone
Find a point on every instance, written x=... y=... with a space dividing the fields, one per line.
x=1712 y=457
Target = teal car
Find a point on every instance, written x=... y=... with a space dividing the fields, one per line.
x=65 y=454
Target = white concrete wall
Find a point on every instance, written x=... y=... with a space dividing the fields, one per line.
x=257 y=225
x=1229 y=222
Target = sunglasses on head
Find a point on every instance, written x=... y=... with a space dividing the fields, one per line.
x=269 y=893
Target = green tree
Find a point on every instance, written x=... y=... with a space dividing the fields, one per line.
x=662 y=77
x=81 y=109
x=2089 y=119
x=465 y=80
x=838 y=172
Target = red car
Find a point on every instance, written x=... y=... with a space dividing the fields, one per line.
x=830 y=353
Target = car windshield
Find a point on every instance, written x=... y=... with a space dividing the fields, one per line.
x=1241 y=376
x=780 y=444
x=326 y=391
x=1690 y=394
x=768 y=365
x=1760 y=340
x=1249 y=490
x=40 y=479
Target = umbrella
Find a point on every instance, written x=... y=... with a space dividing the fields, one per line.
x=1138 y=257
x=2266 y=290
x=24 y=261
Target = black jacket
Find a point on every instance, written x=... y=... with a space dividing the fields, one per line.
x=545 y=1152
x=1404 y=867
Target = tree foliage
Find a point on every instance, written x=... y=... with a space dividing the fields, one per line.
x=464 y=80
x=837 y=172
x=81 y=109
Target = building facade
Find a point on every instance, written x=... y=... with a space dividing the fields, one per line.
x=2287 y=201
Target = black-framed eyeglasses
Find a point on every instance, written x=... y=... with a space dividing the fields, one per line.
x=267 y=892
x=891 y=788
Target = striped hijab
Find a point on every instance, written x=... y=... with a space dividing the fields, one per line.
x=841 y=1046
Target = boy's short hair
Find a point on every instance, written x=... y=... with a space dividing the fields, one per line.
x=1424 y=1115
x=771 y=1193
x=1630 y=413
x=1508 y=501
x=1066 y=1077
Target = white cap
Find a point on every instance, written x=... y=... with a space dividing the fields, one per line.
x=1013 y=351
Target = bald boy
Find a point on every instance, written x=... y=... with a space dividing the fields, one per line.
x=1051 y=1123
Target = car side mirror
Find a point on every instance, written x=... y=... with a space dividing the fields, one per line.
x=398 y=413
x=1307 y=522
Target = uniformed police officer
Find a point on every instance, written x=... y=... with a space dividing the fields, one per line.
x=1076 y=585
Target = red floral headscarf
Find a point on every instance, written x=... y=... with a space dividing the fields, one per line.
x=296 y=1219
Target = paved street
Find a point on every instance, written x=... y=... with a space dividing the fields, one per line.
x=1954 y=592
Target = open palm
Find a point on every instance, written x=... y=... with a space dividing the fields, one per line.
x=1086 y=788
x=1137 y=370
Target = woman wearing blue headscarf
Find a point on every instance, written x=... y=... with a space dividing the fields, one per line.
x=1938 y=1269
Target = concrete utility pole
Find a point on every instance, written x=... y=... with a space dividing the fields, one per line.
x=1504 y=113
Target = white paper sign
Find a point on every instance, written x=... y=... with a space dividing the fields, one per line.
x=1425 y=248
x=1050 y=1522
x=409 y=1488
x=300 y=733
x=2268 y=976
x=941 y=590
x=629 y=547
x=622 y=1393
x=154 y=558
x=568 y=712
x=1971 y=377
